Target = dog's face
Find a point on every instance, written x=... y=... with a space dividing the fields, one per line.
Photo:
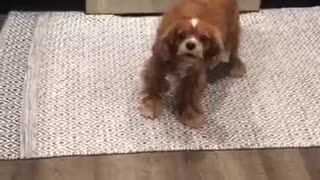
x=192 y=38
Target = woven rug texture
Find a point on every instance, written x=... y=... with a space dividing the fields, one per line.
x=69 y=85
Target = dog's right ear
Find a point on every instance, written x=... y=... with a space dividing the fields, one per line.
x=164 y=44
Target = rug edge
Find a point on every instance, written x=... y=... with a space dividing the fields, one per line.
x=30 y=95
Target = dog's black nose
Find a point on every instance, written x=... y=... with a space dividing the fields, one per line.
x=190 y=45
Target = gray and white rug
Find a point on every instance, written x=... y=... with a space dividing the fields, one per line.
x=69 y=85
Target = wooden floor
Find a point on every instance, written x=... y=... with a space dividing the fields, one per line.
x=294 y=164
x=289 y=164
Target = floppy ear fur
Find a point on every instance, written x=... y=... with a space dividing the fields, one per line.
x=164 y=44
x=216 y=47
x=216 y=42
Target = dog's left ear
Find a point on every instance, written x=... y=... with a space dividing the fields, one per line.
x=163 y=47
x=216 y=46
x=216 y=43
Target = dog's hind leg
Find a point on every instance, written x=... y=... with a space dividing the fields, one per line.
x=237 y=66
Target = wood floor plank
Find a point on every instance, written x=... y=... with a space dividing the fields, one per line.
x=242 y=165
x=17 y=170
x=64 y=169
x=281 y=165
x=121 y=167
x=312 y=162
x=200 y=165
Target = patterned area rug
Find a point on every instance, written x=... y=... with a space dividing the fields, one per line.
x=70 y=82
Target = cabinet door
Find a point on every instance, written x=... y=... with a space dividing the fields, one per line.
x=147 y=6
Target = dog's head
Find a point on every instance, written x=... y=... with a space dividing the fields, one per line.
x=189 y=38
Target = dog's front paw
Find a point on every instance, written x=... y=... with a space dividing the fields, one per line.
x=191 y=118
x=237 y=70
x=151 y=108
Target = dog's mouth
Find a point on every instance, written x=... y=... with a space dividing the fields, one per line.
x=189 y=55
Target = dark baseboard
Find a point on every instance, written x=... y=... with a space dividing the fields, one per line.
x=265 y=4
x=79 y=5
x=43 y=5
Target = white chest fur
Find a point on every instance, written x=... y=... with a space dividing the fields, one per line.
x=224 y=56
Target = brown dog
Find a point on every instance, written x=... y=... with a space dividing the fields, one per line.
x=191 y=38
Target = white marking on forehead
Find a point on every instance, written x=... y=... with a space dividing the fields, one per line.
x=194 y=22
x=193 y=39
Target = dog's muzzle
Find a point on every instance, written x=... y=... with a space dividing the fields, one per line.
x=191 y=47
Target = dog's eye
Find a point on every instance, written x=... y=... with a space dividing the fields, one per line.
x=182 y=35
x=203 y=37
